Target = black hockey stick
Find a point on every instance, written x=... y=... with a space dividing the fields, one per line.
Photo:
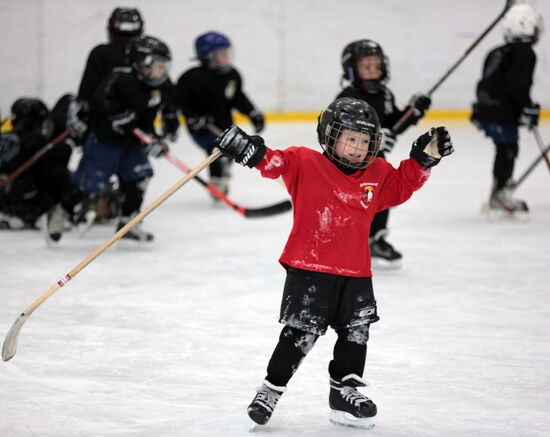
x=265 y=211
x=33 y=159
x=529 y=169
x=410 y=111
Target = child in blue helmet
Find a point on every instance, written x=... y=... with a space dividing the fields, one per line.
x=207 y=94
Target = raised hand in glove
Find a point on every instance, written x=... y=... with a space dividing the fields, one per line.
x=530 y=116
x=429 y=148
x=420 y=103
x=76 y=113
x=257 y=119
x=199 y=122
x=123 y=123
x=388 y=140
x=243 y=148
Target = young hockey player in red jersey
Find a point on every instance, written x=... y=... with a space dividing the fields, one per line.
x=504 y=102
x=335 y=197
x=367 y=69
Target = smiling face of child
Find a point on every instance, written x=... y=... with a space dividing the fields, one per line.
x=353 y=146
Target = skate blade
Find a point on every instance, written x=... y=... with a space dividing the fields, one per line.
x=346 y=419
x=497 y=215
x=383 y=264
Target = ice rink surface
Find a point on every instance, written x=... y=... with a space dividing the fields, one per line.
x=173 y=340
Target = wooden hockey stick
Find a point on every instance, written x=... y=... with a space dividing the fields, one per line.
x=264 y=211
x=10 y=343
x=410 y=111
x=33 y=159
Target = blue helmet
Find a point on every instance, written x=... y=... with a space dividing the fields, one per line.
x=209 y=42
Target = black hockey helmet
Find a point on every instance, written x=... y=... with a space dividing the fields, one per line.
x=125 y=22
x=143 y=52
x=30 y=114
x=360 y=49
x=353 y=114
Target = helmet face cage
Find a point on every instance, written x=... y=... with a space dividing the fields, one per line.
x=154 y=69
x=336 y=143
x=150 y=58
x=360 y=49
x=342 y=129
x=125 y=22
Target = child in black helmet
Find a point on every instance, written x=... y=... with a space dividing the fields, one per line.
x=335 y=196
x=367 y=69
x=207 y=95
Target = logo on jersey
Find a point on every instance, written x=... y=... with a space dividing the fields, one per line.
x=230 y=89
x=154 y=99
x=368 y=191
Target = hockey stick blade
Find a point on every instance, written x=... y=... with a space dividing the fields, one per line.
x=10 y=343
x=9 y=347
x=266 y=211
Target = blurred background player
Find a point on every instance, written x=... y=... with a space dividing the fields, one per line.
x=329 y=277
x=123 y=26
x=206 y=96
x=40 y=187
x=129 y=98
x=504 y=103
x=367 y=70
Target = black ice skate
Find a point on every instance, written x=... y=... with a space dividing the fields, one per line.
x=263 y=404
x=136 y=233
x=349 y=406
x=382 y=253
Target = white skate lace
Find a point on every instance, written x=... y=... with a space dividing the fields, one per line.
x=353 y=396
x=267 y=398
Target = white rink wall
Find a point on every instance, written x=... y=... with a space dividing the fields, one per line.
x=288 y=51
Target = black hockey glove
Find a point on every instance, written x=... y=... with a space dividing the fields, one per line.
x=244 y=149
x=257 y=119
x=530 y=116
x=157 y=149
x=388 y=140
x=429 y=148
x=474 y=118
x=171 y=125
x=77 y=112
x=420 y=103
x=199 y=122
x=123 y=123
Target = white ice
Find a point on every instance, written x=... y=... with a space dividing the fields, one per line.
x=172 y=341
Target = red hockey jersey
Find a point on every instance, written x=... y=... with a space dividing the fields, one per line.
x=333 y=211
